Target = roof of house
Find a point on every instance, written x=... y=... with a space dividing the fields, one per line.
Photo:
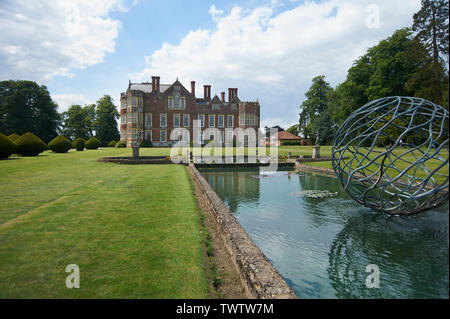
x=284 y=135
x=147 y=87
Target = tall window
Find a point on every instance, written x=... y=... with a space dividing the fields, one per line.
x=163 y=120
x=123 y=104
x=212 y=121
x=220 y=121
x=216 y=106
x=163 y=137
x=201 y=118
x=185 y=120
x=230 y=121
x=148 y=119
x=176 y=120
x=123 y=119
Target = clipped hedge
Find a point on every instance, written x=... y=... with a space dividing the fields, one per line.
x=13 y=137
x=7 y=147
x=290 y=142
x=92 y=143
x=30 y=145
x=112 y=143
x=60 y=144
x=145 y=143
x=121 y=144
x=79 y=144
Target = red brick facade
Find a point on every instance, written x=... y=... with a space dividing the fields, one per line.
x=146 y=107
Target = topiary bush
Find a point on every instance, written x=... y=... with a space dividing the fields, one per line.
x=79 y=143
x=92 y=144
x=30 y=145
x=112 y=143
x=145 y=143
x=121 y=144
x=13 y=137
x=60 y=144
x=7 y=147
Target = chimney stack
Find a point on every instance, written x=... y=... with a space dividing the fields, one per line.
x=207 y=92
x=232 y=92
x=222 y=97
x=193 y=88
x=155 y=83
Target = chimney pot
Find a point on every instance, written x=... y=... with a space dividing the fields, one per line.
x=222 y=97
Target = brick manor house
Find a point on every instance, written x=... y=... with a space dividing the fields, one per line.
x=155 y=109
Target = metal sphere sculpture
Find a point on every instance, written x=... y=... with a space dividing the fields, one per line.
x=391 y=155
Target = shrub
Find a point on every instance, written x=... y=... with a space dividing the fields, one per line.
x=30 y=145
x=79 y=144
x=145 y=143
x=112 y=143
x=60 y=144
x=92 y=144
x=7 y=147
x=121 y=144
x=13 y=137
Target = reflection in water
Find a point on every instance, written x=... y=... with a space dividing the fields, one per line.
x=412 y=255
x=321 y=246
x=234 y=187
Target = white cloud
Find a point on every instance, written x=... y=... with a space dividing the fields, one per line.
x=41 y=39
x=64 y=101
x=272 y=54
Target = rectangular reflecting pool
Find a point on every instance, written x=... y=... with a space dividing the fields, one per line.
x=321 y=241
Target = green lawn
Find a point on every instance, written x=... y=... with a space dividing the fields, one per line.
x=132 y=229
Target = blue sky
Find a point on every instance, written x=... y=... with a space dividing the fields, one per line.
x=270 y=50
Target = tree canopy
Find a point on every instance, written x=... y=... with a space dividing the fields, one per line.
x=411 y=62
x=27 y=107
x=106 y=120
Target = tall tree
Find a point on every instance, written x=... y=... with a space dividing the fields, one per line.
x=106 y=122
x=431 y=25
x=27 y=107
x=77 y=122
x=315 y=119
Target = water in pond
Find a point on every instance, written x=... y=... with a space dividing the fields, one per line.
x=321 y=242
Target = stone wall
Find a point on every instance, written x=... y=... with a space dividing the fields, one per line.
x=258 y=276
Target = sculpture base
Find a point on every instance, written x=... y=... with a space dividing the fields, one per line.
x=316 y=152
x=135 y=152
